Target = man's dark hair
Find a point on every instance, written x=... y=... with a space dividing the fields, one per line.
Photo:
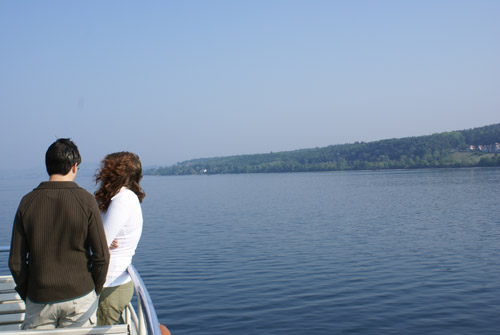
x=61 y=156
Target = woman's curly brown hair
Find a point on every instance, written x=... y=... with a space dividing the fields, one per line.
x=117 y=170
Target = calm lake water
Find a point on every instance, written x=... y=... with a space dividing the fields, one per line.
x=391 y=252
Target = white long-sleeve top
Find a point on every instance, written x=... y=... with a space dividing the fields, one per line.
x=123 y=223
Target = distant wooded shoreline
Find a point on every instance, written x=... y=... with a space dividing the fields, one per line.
x=463 y=148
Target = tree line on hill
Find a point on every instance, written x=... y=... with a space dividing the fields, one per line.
x=432 y=151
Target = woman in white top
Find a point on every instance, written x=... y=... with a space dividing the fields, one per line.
x=119 y=197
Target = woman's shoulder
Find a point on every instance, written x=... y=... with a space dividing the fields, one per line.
x=125 y=195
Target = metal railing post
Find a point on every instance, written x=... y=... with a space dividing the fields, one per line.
x=146 y=308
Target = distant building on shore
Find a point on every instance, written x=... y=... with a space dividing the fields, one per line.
x=491 y=148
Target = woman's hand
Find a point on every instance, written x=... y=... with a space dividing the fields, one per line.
x=113 y=245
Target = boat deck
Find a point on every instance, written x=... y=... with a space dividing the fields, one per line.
x=144 y=322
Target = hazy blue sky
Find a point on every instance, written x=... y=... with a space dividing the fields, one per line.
x=175 y=80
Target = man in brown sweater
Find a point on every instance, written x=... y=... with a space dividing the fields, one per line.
x=59 y=255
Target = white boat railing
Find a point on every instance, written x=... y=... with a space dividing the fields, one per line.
x=146 y=311
x=145 y=321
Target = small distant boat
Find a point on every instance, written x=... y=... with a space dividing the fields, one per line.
x=142 y=322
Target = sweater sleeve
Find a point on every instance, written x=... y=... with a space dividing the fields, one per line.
x=18 y=257
x=100 y=251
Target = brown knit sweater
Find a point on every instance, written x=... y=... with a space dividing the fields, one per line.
x=58 y=250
